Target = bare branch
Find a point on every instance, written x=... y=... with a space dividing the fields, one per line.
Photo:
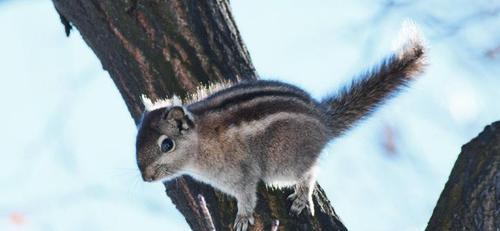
x=205 y=213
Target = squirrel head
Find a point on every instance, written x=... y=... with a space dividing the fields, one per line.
x=166 y=142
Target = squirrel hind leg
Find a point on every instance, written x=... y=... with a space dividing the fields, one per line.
x=246 y=197
x=302 y=196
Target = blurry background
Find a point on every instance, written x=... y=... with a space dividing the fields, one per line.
x=67 y=139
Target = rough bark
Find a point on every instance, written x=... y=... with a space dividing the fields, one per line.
x=159 y=48
x=471 y=197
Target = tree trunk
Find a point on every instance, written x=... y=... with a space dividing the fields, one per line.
x=160 y=48
x=471 y=198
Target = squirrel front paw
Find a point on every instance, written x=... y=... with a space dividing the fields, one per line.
x=242 y=221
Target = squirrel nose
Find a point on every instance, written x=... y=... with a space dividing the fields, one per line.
x=147 y=177
x=149 y=174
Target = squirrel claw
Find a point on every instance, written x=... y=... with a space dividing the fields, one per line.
x=242 y=222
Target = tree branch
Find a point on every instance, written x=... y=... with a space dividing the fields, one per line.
x=471 y=198
x=161 y=48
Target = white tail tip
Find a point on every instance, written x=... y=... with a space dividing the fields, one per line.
x=409 y=38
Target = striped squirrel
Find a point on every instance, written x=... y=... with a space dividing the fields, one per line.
x=231 y=137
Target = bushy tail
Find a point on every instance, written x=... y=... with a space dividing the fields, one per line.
x=363 y=95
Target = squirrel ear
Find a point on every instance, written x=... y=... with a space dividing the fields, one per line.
x=174 y=113
x=179 y=117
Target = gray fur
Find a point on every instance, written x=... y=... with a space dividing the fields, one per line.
x=263 y=130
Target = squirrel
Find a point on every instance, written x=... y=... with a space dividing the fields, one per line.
x=233 y=136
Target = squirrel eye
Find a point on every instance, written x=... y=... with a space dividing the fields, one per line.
x=166 y=144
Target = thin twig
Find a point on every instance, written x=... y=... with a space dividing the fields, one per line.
x=205 y=213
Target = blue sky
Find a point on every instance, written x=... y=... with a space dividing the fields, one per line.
x=68 y=140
